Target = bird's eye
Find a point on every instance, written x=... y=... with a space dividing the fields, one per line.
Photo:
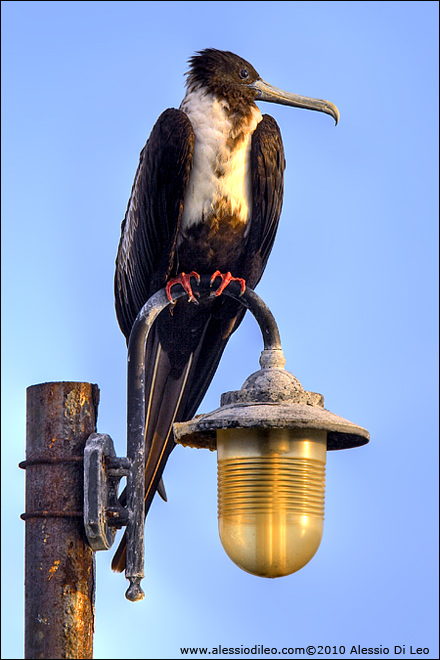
x=244 y=73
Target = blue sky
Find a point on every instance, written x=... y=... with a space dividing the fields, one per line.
x=352 y=281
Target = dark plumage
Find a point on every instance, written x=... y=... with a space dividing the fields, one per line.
x=207 y=195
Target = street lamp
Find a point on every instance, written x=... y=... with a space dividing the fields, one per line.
x=271 y=439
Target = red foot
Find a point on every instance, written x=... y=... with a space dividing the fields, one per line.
x=184 y=280
x=226 y=278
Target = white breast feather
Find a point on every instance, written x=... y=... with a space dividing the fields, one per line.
x=212 y=129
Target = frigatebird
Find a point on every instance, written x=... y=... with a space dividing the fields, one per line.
x=206 y=199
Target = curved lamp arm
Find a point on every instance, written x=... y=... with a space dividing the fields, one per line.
x=136 y=407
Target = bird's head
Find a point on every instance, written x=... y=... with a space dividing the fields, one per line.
x=232 y=78
x=223 y=74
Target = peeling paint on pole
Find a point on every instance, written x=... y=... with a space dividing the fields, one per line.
x=60 y=569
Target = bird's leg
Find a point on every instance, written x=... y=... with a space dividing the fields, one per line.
x=226 y=278
x=184 y=280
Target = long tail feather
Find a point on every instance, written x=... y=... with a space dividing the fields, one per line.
x=163 y=404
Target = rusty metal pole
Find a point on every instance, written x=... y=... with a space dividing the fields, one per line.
x=59 y=563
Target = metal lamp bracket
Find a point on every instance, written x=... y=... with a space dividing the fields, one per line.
x=103 y=513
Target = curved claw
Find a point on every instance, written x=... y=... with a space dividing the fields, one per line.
x=185 y=281
x=226 y=279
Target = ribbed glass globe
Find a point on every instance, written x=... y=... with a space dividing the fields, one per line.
x=271 y=485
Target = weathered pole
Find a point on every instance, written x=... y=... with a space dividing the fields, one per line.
x=59 y=563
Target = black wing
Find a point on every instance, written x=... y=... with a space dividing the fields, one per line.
x=149 y=229
x=267 y=165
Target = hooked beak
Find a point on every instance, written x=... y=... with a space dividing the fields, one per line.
x=266 y=92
